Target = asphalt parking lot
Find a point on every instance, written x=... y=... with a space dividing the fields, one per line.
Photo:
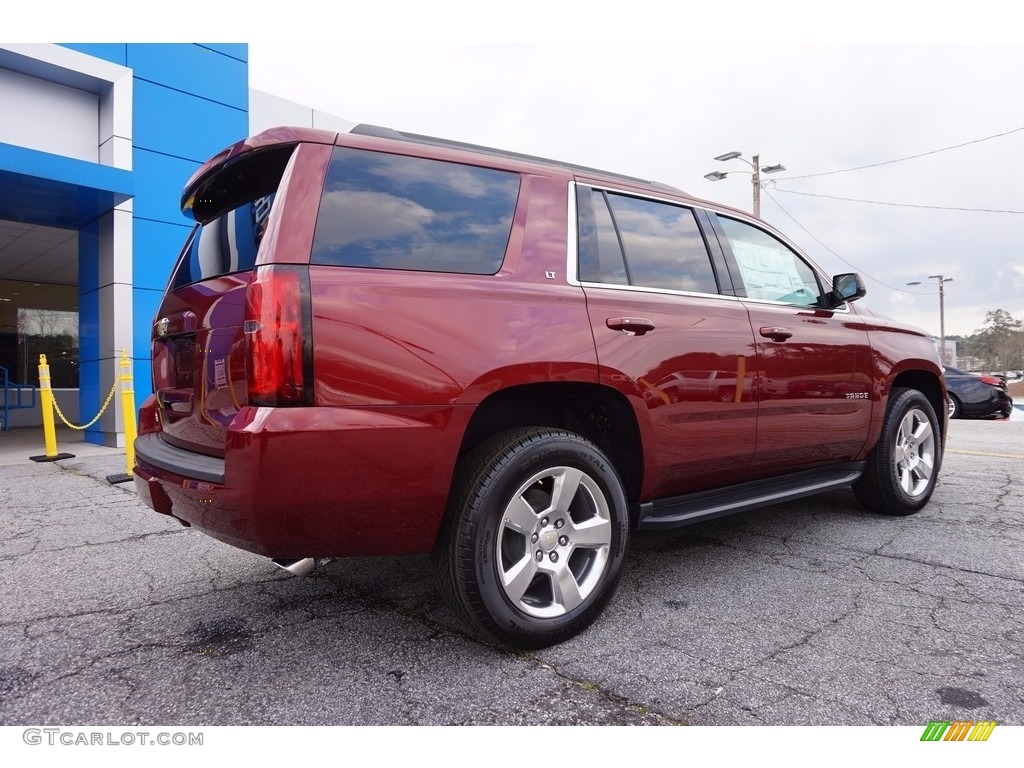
x=812 y=612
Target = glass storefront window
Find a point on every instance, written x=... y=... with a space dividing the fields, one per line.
x=35 y=319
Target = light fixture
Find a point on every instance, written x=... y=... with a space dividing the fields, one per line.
x=755 y=174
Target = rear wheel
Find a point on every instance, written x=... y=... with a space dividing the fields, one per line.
x=534 y=538
x=901 y=473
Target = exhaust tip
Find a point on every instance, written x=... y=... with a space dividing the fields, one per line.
x=301 y=567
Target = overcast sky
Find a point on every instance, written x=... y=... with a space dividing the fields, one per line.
x=664 y=111
x=657 y=89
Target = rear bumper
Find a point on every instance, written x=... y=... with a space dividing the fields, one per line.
x=998 y=403
x=311 y=482
x=154 y=452
x=1006 y=405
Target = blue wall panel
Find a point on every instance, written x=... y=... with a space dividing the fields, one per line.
x=238 y=51
x=175 y=123
x=164 y=177
x=89 y=325
x=88 y=260
x=43 y=188
x=89 y=398
x=142 y=381
x=194 y=69
x=156 y=245
x=145 y=304
x=114 y=52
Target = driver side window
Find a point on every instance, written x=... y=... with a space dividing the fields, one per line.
x=768 y=268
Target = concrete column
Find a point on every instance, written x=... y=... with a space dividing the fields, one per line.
x=105 y=318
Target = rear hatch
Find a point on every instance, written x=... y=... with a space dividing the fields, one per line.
x=202 y=353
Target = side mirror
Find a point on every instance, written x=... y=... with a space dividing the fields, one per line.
x=848 y=287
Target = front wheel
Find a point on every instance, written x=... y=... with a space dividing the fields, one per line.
x=901 y=473
x=534 y=537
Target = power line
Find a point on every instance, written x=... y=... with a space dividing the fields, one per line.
x=819 y=242
x=899 y=205
x=902 y=159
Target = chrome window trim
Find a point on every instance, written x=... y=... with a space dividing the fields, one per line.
x=572 y=239
x=844 y=308
x=662 y=291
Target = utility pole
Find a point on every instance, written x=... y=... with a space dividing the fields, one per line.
x=942 y=280
x=755 y=179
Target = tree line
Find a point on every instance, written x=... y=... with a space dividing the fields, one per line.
x=997 y=346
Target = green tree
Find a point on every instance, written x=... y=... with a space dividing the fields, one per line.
x=1002 y=340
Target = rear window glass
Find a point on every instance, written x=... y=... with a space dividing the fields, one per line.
x=226 y=244
x=396 y=212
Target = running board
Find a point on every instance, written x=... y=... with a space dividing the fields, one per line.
x=704 y=505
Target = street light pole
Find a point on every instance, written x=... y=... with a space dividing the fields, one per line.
x=942 y=280
x=755 y=179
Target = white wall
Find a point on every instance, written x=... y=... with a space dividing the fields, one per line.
x=269 y=111
x=49 y=117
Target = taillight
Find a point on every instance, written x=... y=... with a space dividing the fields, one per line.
x=992 y=380
x=279 y=364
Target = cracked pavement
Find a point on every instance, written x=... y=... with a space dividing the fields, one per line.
x=812 y=612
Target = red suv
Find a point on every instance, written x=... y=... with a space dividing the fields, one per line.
x=379 y=343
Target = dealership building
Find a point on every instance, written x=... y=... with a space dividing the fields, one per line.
x=96 y=142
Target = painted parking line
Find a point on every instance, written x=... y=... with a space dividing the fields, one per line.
x=986 y=453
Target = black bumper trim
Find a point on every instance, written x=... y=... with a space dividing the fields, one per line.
x=155 y=452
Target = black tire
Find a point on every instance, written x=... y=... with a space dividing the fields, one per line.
x=955 y=409
x=503 y=520
x=901 y=473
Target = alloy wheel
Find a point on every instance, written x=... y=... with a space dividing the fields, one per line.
x=553 y=542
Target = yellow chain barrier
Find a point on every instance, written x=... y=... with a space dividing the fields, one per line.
x=127 y=403
x=86 y=426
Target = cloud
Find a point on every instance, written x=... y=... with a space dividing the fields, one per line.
x=664 y=111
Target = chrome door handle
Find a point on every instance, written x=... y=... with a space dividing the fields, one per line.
x=636 y=325
x=776 y=334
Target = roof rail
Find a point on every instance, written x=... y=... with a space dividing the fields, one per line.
x=381 y=132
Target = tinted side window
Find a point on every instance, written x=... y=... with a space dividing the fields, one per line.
x=600 y=251
x=396 y=212
x=768 y=268
x=661 y=242
x=226 y=244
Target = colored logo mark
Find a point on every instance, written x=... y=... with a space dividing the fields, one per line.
x=958 y=730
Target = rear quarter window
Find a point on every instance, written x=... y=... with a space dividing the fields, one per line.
x=395 y=212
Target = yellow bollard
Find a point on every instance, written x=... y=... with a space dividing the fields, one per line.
x=128 y=408
x=46 y=400
x=128 y=413
x=49 y=430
